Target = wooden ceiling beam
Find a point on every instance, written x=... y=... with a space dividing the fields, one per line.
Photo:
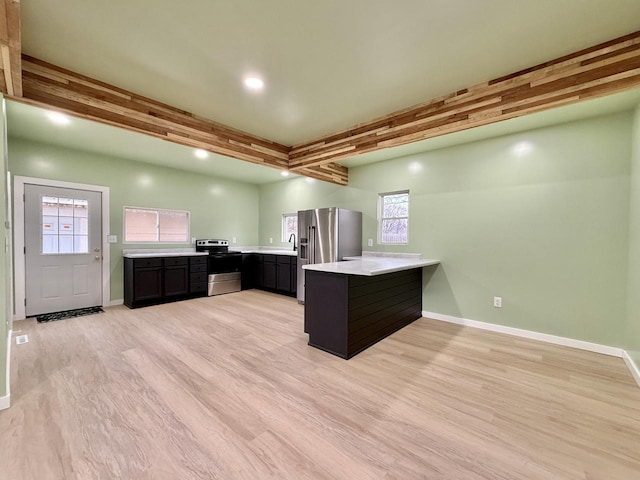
x=601 y=70
x=50 y=86
x=10 y=47
x=594 y=72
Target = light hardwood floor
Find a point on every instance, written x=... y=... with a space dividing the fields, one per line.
x=226 y=387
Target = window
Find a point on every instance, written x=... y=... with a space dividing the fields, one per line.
x=289 y=225
x=393 y=217
x=65 y=225
x=149 y=225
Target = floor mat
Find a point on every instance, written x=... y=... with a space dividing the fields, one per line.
x=78 y=312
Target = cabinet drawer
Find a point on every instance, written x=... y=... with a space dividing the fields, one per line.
x=173 y=261
x=285 y=259
x=202 y=267
x=269 y=258
x=147 y=262
x=198 y=277
x=201 y=260
x=198 y=287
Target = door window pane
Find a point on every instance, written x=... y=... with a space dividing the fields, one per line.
x=65 y=207
x=80 y=243
x=65 y=244
x=65 y=225
x=49 y=225
x=50 y=244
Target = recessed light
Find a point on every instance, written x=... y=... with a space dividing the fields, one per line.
x=284 y=173
x=310 y=180
x=415 y=167
x=201 y=153
x=58 y=118
x=522 y=148
x=253 y=83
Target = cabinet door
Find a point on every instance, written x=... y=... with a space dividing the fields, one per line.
x=176 y=280
x=258 y=271
x=248 y=271
x=147 y=284
x=269 y=275
x=294 y=276
x=283 y=277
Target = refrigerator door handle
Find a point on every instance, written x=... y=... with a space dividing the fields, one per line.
x=312 y=244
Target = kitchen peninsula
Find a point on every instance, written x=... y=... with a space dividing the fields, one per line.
x=353 y=304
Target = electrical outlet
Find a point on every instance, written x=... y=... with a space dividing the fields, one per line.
x=233 y=240
x=497 y=302
x=193 y=240
x=270 y=239
x=370 y=242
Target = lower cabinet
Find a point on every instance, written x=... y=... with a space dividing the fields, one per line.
x=149 y=281
x=274 y=273
x=247 y=271
x=269 y=271
x=176 y=276
x=198 y=276
x=147 y=278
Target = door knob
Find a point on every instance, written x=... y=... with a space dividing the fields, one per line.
x=98 y=258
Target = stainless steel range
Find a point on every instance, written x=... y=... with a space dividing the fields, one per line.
x=223 y=266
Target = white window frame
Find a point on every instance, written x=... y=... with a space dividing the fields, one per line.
x=381 y=197
x=158 y=241
x=285 y=238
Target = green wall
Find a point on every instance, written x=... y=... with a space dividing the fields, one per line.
x=219 y=207
x=539 y=218
x=5 y=301
x=633 y=292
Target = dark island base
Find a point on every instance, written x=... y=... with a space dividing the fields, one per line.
x=345 y=314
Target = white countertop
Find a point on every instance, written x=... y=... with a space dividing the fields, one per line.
x=371 y=265
x=160 y=252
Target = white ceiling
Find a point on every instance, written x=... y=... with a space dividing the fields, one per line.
x=327 y=64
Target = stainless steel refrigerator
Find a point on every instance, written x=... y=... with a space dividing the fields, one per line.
x=327 y=235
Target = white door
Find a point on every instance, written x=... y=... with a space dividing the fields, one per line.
x=63 y=257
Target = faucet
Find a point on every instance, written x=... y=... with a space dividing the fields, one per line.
x=294 y=241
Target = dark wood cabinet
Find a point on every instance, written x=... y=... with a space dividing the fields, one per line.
x=248 y=271
x=149 y=281
x=274 y=273
x=176 y=276
x=283 y=273
x=269 y=280
x=362 y=309
x=146 y=275
x=198 y=276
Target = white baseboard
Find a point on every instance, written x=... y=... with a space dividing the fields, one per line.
x=117 y=301
x=5 y=402
x=631 y=365
x=518 y=332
